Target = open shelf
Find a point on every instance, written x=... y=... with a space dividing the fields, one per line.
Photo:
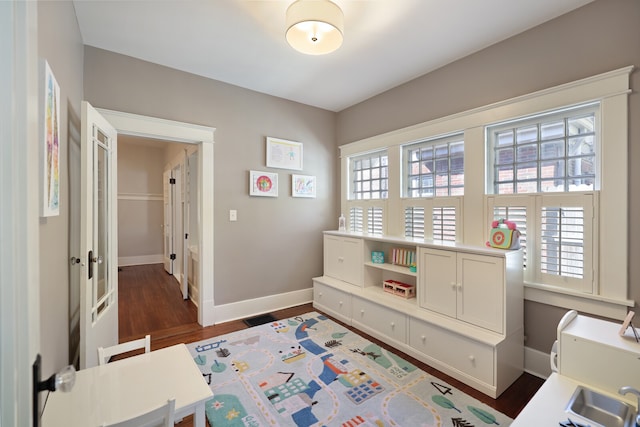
x=392 y=267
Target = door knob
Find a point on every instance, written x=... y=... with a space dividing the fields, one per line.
x=97 y=259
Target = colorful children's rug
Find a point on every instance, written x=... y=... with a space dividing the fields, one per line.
x=311 y=371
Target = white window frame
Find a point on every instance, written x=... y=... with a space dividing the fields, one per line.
x=536 y=120
x=447 y=140
x=611 y=89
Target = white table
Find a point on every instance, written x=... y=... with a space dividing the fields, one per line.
x=125 y=388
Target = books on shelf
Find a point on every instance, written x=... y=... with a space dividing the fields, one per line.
x=401 y=256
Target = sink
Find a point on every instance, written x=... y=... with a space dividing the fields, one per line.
x=601 y=409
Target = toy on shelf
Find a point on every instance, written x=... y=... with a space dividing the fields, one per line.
x=377 y=257
x=400 y=289
x=504 y=235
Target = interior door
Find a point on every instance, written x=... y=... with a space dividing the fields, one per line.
x=99 y=270
x=186 y=200
x=167 y=178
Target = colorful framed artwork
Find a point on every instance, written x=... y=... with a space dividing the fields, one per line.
x=303 y=186
x=50 y=156
x=284 y=154
x=263 y=184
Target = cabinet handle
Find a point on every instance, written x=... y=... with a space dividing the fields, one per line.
x=340 y=302
x=472 y=358
x=454 y=285
x=423 y=338
x=320 y=293
x=393 y=325
x=459 y=286
x=341 y=259
x=361 y=311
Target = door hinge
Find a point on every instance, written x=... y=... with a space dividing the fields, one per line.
x=172 y=256
x=172 y=180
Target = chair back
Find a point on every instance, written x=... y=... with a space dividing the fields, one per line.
x=105 y=353
x=162 y=416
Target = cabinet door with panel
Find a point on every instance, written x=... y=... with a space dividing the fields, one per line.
x=465 y=286
x=343 y=258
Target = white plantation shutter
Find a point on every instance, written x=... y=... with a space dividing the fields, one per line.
x=444 y=223
x=356 y=219
x=375 y=220
x=414 y=222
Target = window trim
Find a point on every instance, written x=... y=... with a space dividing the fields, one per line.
x=611 y=89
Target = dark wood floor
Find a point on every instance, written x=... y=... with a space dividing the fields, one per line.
x=151 y=303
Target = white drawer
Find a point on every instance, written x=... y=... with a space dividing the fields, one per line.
x=470 y=357
x=381 y=319
x=332 y=300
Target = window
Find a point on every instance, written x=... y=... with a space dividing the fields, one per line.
x=356 y=221
x=374 y=220
x=369 y=176
x=541 y=160
x=554 y=152
x=442 y=225
x=434 y=168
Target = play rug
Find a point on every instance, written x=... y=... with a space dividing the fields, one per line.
x=311 y=371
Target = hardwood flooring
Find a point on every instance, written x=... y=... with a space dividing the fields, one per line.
x=151 y=303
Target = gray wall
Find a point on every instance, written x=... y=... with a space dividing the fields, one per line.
x=276 y=245
x=599 y=37
x=59 y=42
x=140 y=168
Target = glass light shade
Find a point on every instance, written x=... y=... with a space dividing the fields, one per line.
x=314 y=27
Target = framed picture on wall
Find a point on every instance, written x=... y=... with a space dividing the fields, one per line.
x=303 y=186
x=284 y=154
x=263 y=184
x=50 y=154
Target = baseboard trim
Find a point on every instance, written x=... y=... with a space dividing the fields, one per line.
x=140 y=260
x=257 y=306
x=536 y=363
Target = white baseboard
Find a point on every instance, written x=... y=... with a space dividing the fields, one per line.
x=140 y=260
x=537 y=363
x=257 y=306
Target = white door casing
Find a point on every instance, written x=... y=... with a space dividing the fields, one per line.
x=168 y=130
x=98 y=229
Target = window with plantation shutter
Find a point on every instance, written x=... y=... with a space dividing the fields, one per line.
x=374 y=220
x=414 y=222
x=356 y=219
x=444 y=223
x=562 y=241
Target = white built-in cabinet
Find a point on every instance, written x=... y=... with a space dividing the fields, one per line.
x=466 y=319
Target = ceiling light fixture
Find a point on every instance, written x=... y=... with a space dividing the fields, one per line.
x=315 y=27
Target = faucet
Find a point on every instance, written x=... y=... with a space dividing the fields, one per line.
x=628 y=389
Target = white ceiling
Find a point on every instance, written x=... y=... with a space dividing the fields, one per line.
x=241 y=42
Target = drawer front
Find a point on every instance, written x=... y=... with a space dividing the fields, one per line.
x=382 y=319
x=333 y=299
x=466 y=355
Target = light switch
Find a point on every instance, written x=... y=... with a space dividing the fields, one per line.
x=233 y=215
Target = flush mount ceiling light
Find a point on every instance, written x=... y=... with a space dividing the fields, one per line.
x=315 y=27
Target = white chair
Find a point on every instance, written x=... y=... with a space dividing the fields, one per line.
x=162 y=416
x=104 y=354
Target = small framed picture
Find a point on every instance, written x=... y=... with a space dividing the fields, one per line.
x=263 y=184
x=284 y=154
x=303 y=186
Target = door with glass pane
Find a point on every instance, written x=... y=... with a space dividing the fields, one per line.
x=99 y=284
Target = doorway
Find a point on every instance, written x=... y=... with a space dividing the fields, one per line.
x=202 y=138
